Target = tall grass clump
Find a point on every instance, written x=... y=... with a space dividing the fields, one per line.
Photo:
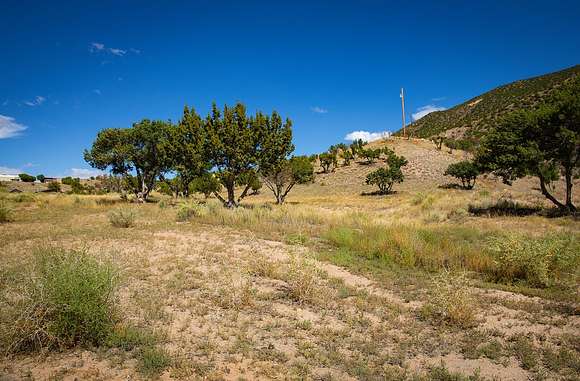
x=68 y=301
x=539 y=262
x=5 y=212
x=122 y=217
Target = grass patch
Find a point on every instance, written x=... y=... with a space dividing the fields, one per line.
x=5 y=212
x=68 y=300
x=152 y=361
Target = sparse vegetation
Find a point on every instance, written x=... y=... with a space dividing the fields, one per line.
x=67 y=300
x=122 y=217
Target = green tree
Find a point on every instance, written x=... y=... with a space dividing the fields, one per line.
x=281 y=180
x=466 y=171
x=143 y=148
x=370 y=155
x=544 y=143
x=27 y=178
x=327 y=161
x=356 y=146
x=386 y=177
x=252 y=180
x=187 y=151
x=206 y=184
x=40 y=178
x=238 y=144
x=347 y=156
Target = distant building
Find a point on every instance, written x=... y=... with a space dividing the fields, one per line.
x=7 y=177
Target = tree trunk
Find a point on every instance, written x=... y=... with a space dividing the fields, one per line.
x=569 y=184
x=548 y=195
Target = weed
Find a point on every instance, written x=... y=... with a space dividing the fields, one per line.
x=127 y=337
x=153 y=361
x=540 y=262
x=524 y=350
x=452 y=300
x=187 y=211
x=301 y=277
x=69 y=301
x=122 y=217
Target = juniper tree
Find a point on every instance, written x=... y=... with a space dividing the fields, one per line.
x=466 y=171
x=238 y=144
x=544 y=143
x=143 y=148
x=327 y=161
x=370 y=155
x=346 y=157
x=385 y=177
x=297 y=170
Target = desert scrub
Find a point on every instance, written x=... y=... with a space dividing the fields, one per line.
x=540 y=262
x=451 y=301
x=68 y=299
x=188 y=211
x=5 y=212
x=302 y=278
x=153 y=361
x=122 y=217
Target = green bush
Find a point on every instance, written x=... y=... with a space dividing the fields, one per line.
x=384 y=178
x=541 y=262
x=187 y=211
x=27 y=178
x=466 y=171
x=5 y=212
x=68 y=301
x=122 y=218
x=53 y=186
x=153 y=361
x=207 y=184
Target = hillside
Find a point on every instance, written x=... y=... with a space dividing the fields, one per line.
x=472 y=118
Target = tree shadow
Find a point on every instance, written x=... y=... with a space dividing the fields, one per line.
x=452 y=186
x=504 y=208
x=378 y=193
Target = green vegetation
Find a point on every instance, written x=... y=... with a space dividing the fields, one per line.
x=480 y=114
x=53 y=186
x=280 y=179
x=370 y=155
x=68 y=301
x=27 y=178
x=206 y=184
x=384 y=178
x=122 y=217
x=327 y=161
x=40 y=178
x=466 y=171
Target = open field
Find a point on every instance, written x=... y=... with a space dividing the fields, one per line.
x=332 y=285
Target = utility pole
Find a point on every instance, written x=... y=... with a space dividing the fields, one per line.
x=403 y=109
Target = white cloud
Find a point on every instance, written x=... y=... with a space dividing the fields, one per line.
x=318 y=110
x=37 y=101
x=422 y=111
x=9 y=171
x=367 y=136
x=96 y=47
x=85 y=173
x=117 y=52
x=9 y=128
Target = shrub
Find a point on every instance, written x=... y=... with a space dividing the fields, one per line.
x=27 y=178
x=122 y=218
x=187 y=211
x=370 y=155
x=68 y=301
x=384 y=178
x=466 y=171
x=5 y=212
x=327 y=160
x=301 y=277
x=541 y=262
x=53 y=186
x=451 y=300
x=153 y=361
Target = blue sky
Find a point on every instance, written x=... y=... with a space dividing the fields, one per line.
x=71 y=68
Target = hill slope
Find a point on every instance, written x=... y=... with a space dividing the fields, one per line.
x=474 y=117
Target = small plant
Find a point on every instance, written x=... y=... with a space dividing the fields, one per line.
x=302 y=279
x=466 y=171
x=5 y=212
x=153 y=361
x=452 y=302
x=68 y=301
x=122 y=218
